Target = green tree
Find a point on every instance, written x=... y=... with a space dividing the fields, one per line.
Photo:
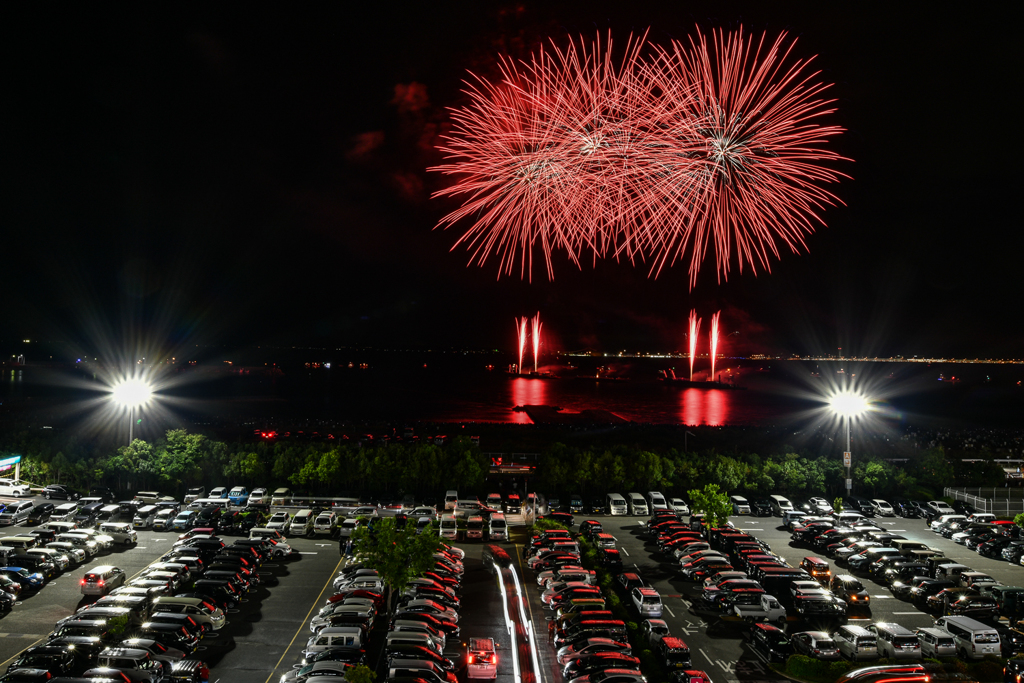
x=714 y=504
x=837 y=504
x=399 y=554
x=360 y=673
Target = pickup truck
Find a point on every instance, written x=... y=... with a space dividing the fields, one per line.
x=767 y=609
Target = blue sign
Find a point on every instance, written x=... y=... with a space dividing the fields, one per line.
x=13 y=460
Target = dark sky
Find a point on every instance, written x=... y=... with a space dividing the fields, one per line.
x=227 y=176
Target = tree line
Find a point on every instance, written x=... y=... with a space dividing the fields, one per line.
x=182 y=459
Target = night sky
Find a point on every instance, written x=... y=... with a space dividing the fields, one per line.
x=255 y=174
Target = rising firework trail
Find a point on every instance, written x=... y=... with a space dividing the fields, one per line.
x=694 y=331
x=714 y=343
x=521 y=329
x=536 y=339
x=661 y=155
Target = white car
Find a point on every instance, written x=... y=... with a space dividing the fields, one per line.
x=218 y=492
x=481 y=660
x=74 y=553
x=821 y=506
x=882 y=508
x=679 y=506
x=102 y=540
x=281 y=496
x=11 y=487
x=279 y=521
x=258 y=496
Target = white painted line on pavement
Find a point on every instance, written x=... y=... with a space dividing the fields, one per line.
x=670 y=611
x=921 y=613
x=710 y=661
x=880 y=597
x=686 y=602
x=307 y=553
x=625 y=551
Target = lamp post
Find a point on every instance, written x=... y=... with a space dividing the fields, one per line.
x=848 y=405
x=131 y=394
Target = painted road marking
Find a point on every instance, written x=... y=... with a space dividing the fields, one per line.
x=670 y=611
x=307 y=553
x=710 y=661
x=921 y=613
x=880 y=597
x=625 y=551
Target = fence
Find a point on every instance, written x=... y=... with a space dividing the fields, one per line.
x=1002 y=502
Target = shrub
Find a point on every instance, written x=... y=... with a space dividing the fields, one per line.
x=988 y=669
x=838 y=668
x=545 y=524
x=956 y=666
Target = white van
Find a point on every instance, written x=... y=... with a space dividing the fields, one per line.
x=451 y=499
x=475 y=528
x=656 y=501
x=973 y=639
x=449 y=527
x=121 y=532
x=616 y=504
x=638 y=505
x=740 y=505
x=332 y=637
x=145 y=516
x=497 y=528
x=780 y=505
x=64 y=513
x=301 y=524
x=896 y=642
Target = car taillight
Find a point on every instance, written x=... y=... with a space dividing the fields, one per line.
x=100 y=582
x=83 y=582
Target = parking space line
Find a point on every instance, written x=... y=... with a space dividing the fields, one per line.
x=921 y=613
x=304 y=623
x=625 y=551
x=669 y=610
x=710 y=661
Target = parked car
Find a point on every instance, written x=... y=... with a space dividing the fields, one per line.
x=60 y=492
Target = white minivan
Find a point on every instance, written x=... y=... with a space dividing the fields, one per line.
x=637 y=505
x=973 y=639
x=657 y=501
x=780 y=505
x=497 y=527
x=616 y=504
x=449 y=527
x=740 y=505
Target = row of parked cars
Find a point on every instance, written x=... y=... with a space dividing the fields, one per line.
x=742 y=593
x=145 y=628
x=423 y=625
x=591 y=643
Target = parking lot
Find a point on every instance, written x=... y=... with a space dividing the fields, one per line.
x=721 y=652
x=265 y=633
x=247 y=649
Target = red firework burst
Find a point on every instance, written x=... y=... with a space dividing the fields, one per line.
x=650 y=158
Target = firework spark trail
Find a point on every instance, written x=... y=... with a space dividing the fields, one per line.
x=521 y=329
x=661 y=156
x=536 y=339
x=694 y=331
x=714 y=342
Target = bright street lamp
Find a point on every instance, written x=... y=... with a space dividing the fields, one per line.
x=131 y=394
x=848 y=405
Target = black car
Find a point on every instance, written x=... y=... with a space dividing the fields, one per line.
x=58 y=660
x=586 y=665
x=396 y=652
x=6 y=602
x=994 y=547
x=40 y=513
x=596 y=506
x=762 y=507
x=103 y=492
x=610 y=559
x=771 y=642
x=963 y=508
x=60 y=492
x=562 y=518
x=223 y=593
